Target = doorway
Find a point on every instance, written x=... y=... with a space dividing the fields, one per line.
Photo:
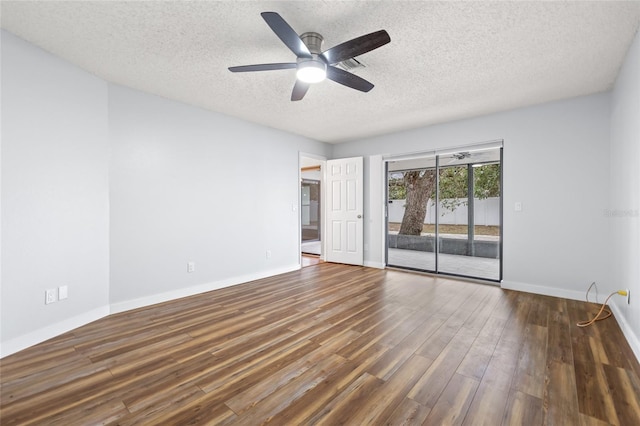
x=310 y=215
x=311 y=205
x=444 y=213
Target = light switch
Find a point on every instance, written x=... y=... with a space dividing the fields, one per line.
x=63 y=292
x=518 y=206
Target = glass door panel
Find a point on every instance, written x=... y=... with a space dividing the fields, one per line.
x=454 y=239
x=469 y=214
x=411 y=229
x=487 y=236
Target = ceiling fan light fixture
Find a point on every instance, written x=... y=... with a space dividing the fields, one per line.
x=314 y=65
x=311 y=71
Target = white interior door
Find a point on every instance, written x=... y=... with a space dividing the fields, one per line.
x=343 y=210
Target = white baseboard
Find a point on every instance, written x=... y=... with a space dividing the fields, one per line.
x=19 y=343
x=544 y=290
x=38 y=336
x=628 y=332
x=201 y=288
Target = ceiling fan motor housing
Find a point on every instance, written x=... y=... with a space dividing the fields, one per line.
x=313 y=41
x=314 y=69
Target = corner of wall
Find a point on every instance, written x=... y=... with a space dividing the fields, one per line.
x=45 y=333
x=627 y=330
x=623 y=188
x=542 y=289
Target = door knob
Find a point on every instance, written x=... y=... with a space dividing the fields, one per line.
x=359 y=216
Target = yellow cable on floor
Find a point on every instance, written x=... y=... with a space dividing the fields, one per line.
x=602 y=308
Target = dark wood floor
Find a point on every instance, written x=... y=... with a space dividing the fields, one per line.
x=333 y=344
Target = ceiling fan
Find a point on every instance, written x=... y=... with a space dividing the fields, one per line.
x=459 y=156
x=312 y=64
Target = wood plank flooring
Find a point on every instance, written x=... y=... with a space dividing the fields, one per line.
x=310 y=260
x=329 y=345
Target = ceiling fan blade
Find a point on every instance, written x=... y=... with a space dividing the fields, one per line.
x=347 y=79
x=356 y=47
x=299 y=90
x=263 y=67
x=286 y=34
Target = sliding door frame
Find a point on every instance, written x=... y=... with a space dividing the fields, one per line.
x=437 y=154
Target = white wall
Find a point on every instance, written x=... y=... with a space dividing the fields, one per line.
x=556 y=162
x=55 y=224
x=173 y=167
x=90 y=169
x=624 y=191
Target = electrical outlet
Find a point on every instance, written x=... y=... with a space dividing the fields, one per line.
x=50 y=295
x=63 y=292
x=191 y=267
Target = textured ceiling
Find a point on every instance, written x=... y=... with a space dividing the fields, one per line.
x=446 y=60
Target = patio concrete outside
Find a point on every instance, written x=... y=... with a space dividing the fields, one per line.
x=476 y=267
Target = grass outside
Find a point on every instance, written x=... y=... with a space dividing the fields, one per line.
x=453 y=229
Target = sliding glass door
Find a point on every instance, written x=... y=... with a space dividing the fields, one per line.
x=411 y=236
x=444 y=214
